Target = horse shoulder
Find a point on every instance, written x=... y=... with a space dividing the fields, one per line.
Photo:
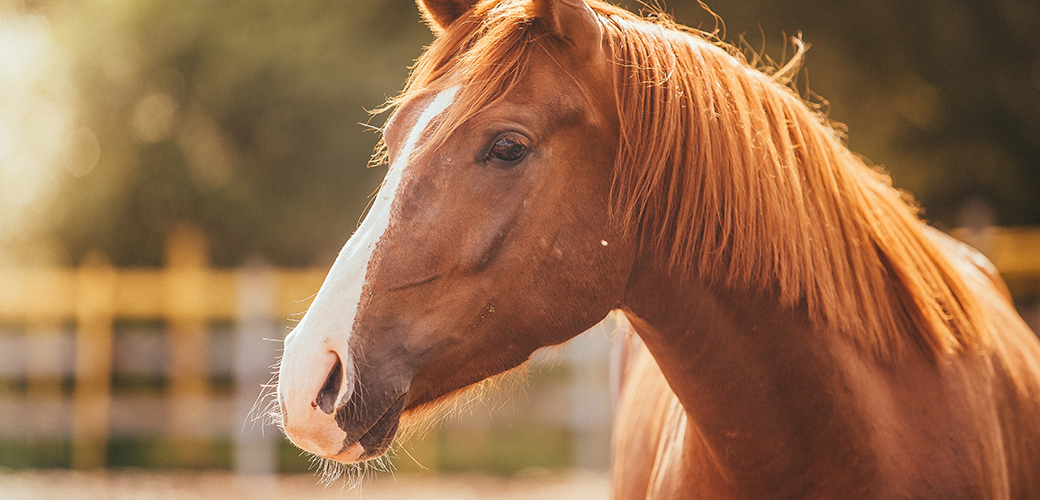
x=1013 y=358
x=968 y=259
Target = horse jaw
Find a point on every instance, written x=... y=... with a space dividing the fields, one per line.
x=310 y=389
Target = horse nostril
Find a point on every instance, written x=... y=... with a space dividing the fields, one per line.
x=326 y=399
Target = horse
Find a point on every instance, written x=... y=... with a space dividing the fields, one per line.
x=797 y=331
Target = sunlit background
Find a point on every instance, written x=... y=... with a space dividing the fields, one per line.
x=177 y=176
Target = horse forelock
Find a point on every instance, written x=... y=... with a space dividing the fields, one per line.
x=731 y=177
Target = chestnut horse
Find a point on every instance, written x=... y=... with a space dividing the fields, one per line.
x=799 y=332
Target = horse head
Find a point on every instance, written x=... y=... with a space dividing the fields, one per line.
x=490 y=238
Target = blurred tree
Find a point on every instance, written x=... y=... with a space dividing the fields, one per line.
x=243 y=116
x=240 y=116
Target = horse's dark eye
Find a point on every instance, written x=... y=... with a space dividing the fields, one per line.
x=508 y=150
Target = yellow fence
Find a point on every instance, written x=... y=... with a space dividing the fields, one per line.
x=188 y=295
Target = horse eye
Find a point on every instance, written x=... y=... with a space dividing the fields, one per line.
x=508 y=150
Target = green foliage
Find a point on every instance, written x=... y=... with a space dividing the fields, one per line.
x=35 y=453
x=503 y=450
x=167 y=453
x=243 y=117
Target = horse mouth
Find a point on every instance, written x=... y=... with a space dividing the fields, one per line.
x=378 y=438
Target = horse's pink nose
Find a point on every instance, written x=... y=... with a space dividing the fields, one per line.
x=311 y=384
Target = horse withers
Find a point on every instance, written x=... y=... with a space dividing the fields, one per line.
x=800 y=332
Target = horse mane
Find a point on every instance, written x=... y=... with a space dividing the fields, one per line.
x=732 y=178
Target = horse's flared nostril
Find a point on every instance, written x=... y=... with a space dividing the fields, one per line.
x=329 y=392
x=309 y=383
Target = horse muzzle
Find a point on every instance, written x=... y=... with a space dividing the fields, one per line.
x=350 y=440
x=330 y=411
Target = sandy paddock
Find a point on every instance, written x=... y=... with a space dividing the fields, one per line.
x=130 y=484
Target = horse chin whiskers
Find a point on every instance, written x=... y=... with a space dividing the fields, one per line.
x=352 y=475
x=329 y=471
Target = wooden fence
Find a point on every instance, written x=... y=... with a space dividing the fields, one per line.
x=188 y=296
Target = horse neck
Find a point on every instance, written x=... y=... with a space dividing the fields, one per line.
x=767 y=392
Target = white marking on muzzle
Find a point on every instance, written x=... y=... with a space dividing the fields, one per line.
x=323 y=334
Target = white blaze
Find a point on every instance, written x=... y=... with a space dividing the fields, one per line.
x=326 y=328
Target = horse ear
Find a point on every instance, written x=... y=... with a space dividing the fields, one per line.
x=575 y=22
x=440 y=14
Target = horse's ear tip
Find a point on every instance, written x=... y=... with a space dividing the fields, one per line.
x=574 y=20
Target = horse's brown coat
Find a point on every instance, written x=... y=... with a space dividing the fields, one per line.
x=775 y=410
x=801 y=333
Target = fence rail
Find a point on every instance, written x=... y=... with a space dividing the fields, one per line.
x=188 y=296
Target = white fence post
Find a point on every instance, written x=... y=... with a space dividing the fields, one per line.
x=256 y=460
x=47 y=413
x=591 y=416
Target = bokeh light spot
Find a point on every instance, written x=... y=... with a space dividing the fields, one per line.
x=154 y=117
x=81 y=151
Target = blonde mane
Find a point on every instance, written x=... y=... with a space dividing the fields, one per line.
x=732 y=179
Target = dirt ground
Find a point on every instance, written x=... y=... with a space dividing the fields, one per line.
x=126 y=485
